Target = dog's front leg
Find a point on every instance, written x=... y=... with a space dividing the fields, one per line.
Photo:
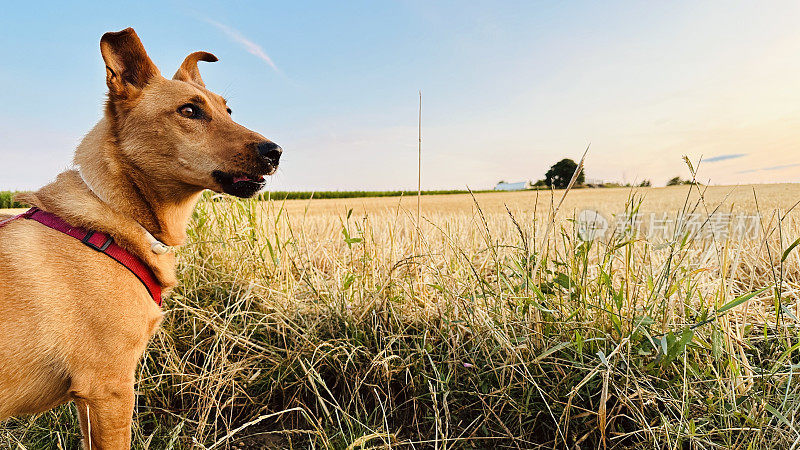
x=105 y=417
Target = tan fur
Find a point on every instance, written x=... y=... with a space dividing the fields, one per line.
x=75 y=322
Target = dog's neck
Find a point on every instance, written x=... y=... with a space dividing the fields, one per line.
x=164 y=212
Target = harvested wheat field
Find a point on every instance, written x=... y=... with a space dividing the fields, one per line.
x=666 y=199
x=495 y=324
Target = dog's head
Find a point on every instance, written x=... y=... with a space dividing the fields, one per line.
x=177 y=131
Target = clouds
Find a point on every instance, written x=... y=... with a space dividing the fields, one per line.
x=724 y=157
x=779 y=167
x=784 y=166
x=247 y=44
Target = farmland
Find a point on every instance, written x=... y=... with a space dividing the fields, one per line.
x=666 y=199
x=487 y=322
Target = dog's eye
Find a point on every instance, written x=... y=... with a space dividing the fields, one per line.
x=189 y=111
x=229 y=111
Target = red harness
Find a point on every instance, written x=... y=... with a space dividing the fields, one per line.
x=100 y=242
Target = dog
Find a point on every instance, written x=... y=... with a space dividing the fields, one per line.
x=74 y=321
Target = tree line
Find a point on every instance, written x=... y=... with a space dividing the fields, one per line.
x=560 y=174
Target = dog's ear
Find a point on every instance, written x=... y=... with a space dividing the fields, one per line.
x=128 y=68
x=188 y=69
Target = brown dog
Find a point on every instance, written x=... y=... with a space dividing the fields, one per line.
x=74 y=322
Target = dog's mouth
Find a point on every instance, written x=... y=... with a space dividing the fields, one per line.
x=239 y=184
x=248 y=179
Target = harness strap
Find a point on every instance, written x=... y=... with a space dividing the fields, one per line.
x=5 y=222
x=100 y=242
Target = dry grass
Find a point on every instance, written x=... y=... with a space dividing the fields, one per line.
x=314 y=324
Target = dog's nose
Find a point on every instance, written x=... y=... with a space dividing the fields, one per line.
x=270 y=151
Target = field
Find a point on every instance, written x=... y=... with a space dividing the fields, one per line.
x=489 y=323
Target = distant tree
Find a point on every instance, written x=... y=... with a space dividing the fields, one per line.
x=561 y=172
x=678 y=181
x=645 y=183
x=540 y=183
x=675 y=181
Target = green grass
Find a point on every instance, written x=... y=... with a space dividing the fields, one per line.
x=305 y=195
x=487 y=332
x=7 y=200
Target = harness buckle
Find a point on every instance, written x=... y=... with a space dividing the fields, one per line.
x=100 y=248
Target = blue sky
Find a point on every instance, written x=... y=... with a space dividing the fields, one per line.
x=508 y=87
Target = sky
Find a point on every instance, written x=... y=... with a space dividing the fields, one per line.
x=508 y=88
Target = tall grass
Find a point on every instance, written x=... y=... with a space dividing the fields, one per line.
x=312 y=331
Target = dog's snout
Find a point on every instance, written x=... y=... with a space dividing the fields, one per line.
x=270 y=151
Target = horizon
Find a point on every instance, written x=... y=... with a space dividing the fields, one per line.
x=508 y=90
